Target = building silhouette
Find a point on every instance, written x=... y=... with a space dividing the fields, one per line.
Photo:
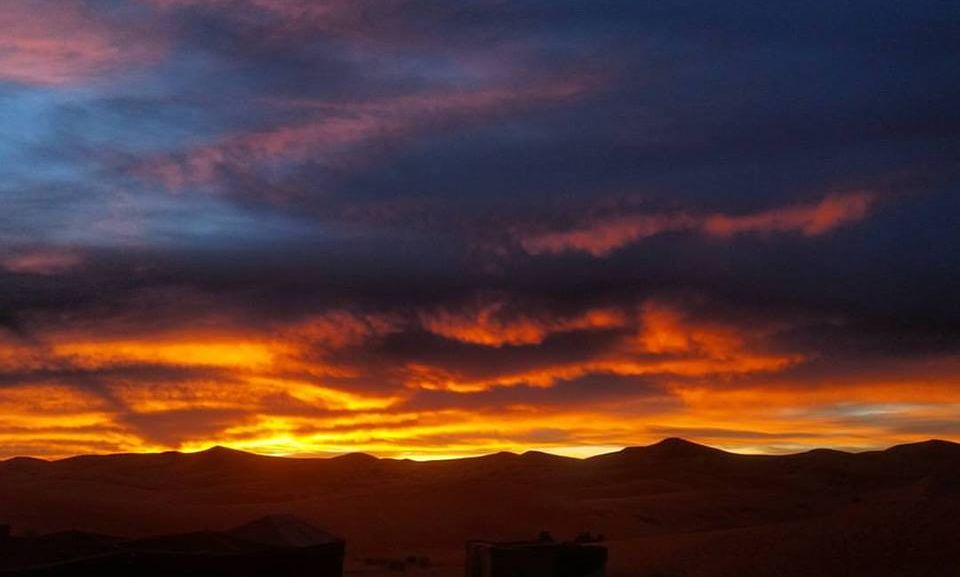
x=278 y=546
x=541 y=558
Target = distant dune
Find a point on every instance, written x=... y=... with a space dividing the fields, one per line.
x=674 y=507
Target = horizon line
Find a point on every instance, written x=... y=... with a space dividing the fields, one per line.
x=438 y=457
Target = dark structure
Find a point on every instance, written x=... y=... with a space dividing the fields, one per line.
x=542 y=558
x=280 y=546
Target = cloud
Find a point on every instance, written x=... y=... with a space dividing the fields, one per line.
x=603 y=236
x=337 y=329
x=262 y=389
x=335 y=133
x=661 y=341
x=53 y=43
x=42 y=261
x=492 y=323
x=675 y=369
x=287 y=9
x=810 y=220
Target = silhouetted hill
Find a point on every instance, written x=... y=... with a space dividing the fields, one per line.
x=669 y=501
x=667 y=450
x=23 y=465
x=928 y=451
x=546 y=458
x=356 y=458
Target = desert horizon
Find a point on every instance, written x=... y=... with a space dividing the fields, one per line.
x=670 y=508
x=535 y=451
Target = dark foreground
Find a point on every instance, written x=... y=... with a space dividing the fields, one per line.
x=674 y=508
x=276 y=546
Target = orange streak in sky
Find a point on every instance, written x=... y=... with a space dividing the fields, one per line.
x=283 y=391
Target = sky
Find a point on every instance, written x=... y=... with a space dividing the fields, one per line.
x=422 y=228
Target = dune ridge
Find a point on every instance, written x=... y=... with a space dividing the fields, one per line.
x=674 y=506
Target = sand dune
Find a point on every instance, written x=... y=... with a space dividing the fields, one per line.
x=674 y=507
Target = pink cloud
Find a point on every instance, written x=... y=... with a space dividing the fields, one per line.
x=43 y=261
x=340 y=127
x=354 y=20
x=339 y=17
x=56 y=42
x=288 y=143
x=601 y=237
x=810 y=219
x=285 y=8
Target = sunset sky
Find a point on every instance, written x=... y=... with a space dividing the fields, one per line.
x=427 y=228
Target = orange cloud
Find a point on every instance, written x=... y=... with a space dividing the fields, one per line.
x=226 y=353
x=273 y=392
x=665 y=343
x=493 y=324
x=54 y=420
x=602 y=237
